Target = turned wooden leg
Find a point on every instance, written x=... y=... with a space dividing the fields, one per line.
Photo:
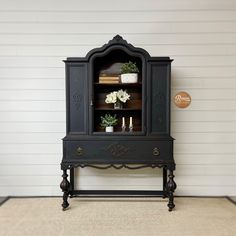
x=171 y=186
x=72 y=182
x=65 y=184
x=164 y=182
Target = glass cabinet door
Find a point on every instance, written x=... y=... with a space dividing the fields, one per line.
x=115 y=100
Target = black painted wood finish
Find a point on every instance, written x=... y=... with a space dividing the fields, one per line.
x=87 y=145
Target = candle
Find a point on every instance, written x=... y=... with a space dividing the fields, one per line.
x=130 y=121
x=123 y=121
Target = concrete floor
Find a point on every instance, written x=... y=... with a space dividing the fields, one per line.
x=126 y=217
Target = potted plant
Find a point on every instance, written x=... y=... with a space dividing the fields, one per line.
x=118 y=98
x=108 y=122
x=129 y=72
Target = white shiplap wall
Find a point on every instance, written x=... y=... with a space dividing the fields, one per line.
x=35 y=36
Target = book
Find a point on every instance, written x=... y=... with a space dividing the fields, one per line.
x=109 y=78
x=109 y=82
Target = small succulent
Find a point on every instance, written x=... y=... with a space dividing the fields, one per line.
x=108 y=120
x=129 y=67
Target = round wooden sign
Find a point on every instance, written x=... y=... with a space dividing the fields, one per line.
x=182 y=99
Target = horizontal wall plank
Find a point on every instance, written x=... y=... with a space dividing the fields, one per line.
x=153 y=5
x=177 y=127
x=117 y=16
x=92 y=40
x=177 y=71
x=59 y=95
x=30 y=148
x=205 y=138
x=203 y=83
x=32 y=106
x=183 y=115
x=32 y=95
x=177 y=116
x=56 y=191
x=203 y=127
x=210 y=94
x=33 y=128
x=215 y=71
x=38 y=73
x=43 y=83
x=52 y=84
x=55 y=138
x=222 y=190
x=30 y=191
x=30 y=116
x=205 y=148
x=54 y=170
x=55 y=159
x=81 y=50
x=60 y=105
x=30 y=159
x=122 y=27
x=56 y=62
x=208 y=105
x=117 y=181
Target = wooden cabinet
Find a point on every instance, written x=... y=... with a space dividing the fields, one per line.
x=147 y=144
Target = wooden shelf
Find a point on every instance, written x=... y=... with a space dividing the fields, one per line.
x=119 y=133
x=120 y=85
x=112 y=109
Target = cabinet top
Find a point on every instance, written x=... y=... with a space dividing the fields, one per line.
x=117 y=43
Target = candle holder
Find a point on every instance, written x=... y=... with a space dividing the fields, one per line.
x=131 y=128
x=131 y=124
x=123 y=127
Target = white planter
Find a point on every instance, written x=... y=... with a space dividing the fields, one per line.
x=109 y=129
x=129 y=78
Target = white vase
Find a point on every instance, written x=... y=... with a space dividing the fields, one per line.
x=129 y=78
x=109 y=129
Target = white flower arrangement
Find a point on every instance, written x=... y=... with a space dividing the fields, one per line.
x=119 y=95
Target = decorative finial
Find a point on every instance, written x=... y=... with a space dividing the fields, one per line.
x=117 y=38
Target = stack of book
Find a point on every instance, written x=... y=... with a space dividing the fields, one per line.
x=109 y=79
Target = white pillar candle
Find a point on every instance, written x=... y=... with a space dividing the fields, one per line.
x=131 y=121
x=123 y=121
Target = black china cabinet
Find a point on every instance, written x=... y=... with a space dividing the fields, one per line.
x=146 y=144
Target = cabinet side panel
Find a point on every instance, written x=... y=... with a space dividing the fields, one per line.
x=159 y=98
x=77 y=98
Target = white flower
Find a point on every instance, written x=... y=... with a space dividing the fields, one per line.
x=111 y=97
x=120 y=95
x=123 y=96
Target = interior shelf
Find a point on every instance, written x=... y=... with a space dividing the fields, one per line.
x=119 y=133
x=123 y=109
x=118 y=85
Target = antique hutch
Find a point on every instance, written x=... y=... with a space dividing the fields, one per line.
x=149 y=143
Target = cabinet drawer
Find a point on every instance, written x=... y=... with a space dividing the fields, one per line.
x=117 y=151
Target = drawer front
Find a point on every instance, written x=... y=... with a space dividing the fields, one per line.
x=117 y=151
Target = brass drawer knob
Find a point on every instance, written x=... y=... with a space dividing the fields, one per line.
x=156 y=151
x=79 y=151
